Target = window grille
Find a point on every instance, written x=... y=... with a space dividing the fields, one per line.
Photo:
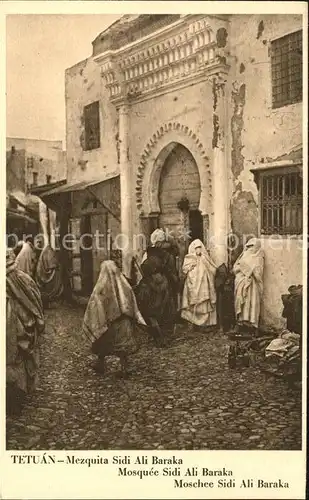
x=281 y=203
x=30 y=162
x=286 y=69
x=92 y=126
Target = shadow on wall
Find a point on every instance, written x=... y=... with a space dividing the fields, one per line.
x=283 y=268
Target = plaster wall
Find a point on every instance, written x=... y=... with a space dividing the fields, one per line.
x=190 y=107
x=83 y=86
x=254 y=134
x=47 y=157
x=260 y=134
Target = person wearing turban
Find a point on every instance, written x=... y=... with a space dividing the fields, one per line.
x=157 y=290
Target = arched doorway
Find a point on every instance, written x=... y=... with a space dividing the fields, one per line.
x=179 y=196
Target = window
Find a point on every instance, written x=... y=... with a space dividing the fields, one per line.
x=48 y=179
x=34 y=178
x=13 y=203
x=281 y=202
x=92 y=126
x=286 y=69
x=30 y=162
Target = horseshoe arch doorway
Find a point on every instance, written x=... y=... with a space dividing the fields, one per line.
x=179 y=197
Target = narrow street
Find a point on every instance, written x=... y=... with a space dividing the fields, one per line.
x=183 y=397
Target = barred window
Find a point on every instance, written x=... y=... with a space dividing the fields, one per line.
x=34 y=178
x=30 y=162
x=92 y=126
x=281 y=202
x=286 y=69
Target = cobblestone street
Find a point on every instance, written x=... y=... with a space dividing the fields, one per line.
x=183 y=397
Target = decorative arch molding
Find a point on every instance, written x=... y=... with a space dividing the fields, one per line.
x=162 y=142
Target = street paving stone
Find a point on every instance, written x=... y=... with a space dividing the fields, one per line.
x=181 y=397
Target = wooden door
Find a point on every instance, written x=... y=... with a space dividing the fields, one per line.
x=196 y=225
x=74 y=256
x=86 y=258
x=100 y=251
x=179 y=179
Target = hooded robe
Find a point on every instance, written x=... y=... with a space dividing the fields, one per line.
x=248 y=270
x=199 y=295
x=112 y=299
x=26 y=259
x=24 y=323
x=48 y=275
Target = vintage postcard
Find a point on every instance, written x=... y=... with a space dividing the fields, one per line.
x=154 y=298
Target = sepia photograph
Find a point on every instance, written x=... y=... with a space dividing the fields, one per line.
x=155 y=230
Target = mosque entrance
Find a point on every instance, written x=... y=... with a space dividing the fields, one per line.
x=179 y=197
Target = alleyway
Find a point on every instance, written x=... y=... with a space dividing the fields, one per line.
x=184 y=397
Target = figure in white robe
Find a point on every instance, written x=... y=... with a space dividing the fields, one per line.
x=248 y=270
x=199 y=295
x=26 y=258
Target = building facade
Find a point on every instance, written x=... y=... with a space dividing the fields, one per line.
x=195 y=123
x=36 y=161
x=31 y=164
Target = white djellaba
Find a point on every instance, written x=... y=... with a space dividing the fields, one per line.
x=199 y=295
x=248 y=270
